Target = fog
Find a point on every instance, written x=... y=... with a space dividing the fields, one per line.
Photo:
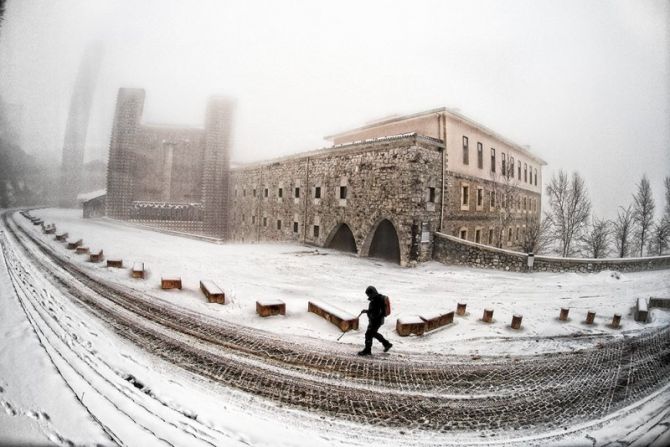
x=585 y=84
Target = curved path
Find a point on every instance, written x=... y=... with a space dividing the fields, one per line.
x=435 y=393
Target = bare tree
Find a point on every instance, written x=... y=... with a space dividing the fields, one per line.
x=569 y=211
x=622 y=230
x=2 y=11
x=596 y=239
x=643 y=211
x=667 y=198
x=535 y=237
x=660 y=237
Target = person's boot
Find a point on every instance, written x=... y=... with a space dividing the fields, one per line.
x=388 y=346
x=365 y=352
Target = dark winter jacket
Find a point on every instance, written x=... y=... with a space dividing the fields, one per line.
x=376 y=308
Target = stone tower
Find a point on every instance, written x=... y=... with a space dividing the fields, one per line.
x=127 y=117
x=216 y=175
x=77 y=126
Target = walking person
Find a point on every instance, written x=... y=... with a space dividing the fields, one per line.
x=376 y=311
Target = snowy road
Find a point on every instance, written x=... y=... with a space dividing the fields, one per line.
x=420 y=397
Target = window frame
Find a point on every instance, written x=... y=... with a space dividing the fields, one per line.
x=466 y=151
x=480 y=155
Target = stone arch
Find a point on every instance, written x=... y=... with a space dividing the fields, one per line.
x=342 y=238
x=383 y=242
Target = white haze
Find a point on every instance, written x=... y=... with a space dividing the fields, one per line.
x=584 y=83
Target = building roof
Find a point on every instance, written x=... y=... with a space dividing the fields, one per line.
x=339 y=148
x=86 y=196
x=449 y=112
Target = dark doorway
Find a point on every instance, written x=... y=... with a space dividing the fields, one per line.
x=343 y=240
x=385 y=243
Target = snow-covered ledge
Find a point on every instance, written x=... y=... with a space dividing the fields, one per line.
x=453 y=250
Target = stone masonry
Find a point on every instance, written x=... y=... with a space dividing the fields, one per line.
x=310 y=198
x=453 y=250
x=374 y=193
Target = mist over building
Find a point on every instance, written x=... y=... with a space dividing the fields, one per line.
x=77 y=125
x=381 y=190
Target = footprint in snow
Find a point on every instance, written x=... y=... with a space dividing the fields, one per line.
x=8 y=408
x=58 y=439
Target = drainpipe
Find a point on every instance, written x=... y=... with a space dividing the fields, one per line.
x=304 y=215
x=261 y=190
x=444 y=154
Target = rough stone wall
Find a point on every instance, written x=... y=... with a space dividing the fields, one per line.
x=129 y=106
x=485 y=217
x=168 y=165
x=193 y=227
x=385 y=179
x=94 y=207
x=216 y=167
x=452 y=250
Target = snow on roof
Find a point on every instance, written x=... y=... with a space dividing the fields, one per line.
x=165 y=205
x=86 y=196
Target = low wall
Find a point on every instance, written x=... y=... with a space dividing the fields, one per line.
x=452 y=250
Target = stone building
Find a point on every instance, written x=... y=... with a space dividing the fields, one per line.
x=381 y=190
x=487 y=188
x=170 y=177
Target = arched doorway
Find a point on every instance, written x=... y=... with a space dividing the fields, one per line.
x=343 y=239
x=385 y=243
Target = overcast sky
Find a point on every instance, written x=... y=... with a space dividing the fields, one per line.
x=585 y=83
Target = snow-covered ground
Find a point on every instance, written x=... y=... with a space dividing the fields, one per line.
x=48 y=395
x=297 y=274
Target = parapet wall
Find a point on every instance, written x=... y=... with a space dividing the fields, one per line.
x=452 y=250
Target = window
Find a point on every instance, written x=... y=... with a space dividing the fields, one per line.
x=502 y=164
x=343 y=192
x=244 y=193
x=297 y=192
x=425 y=232
x=431 y=194
x=278 y=224
x=525 y=172
x=490 y=236
x=317 y=192
x=253 y=219
x=254 y=192
x=524 y=204
x=509 y=235
x=465 y=195
x=466 y=151
x=266 y=192
x=265 y=221
x=316 y=231
x=493 y=160
x=480 y=198
x=480 y=155
x=244 y=218
x=235 y=192
x=519 y=171
x=517 y=234
x=510 y=171
x=295 y=227
x=478 y=235
x=464 y=233
x=493 y=199
x=535 y=176
x=280 y=192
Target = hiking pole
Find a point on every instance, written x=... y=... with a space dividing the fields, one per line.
x=342 y=334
